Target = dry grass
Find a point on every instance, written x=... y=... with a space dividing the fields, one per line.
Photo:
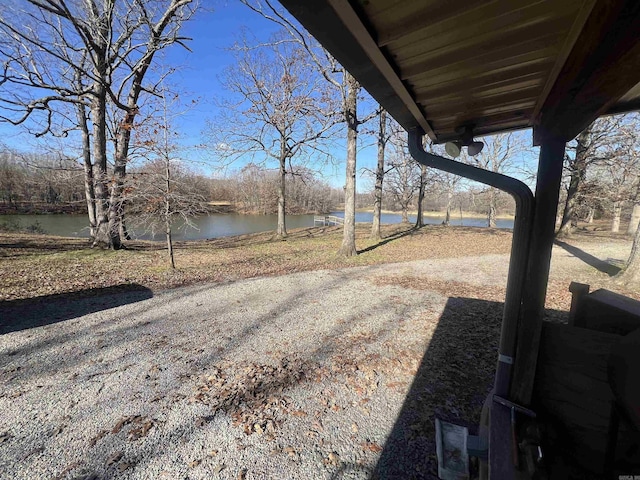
x=36 y=265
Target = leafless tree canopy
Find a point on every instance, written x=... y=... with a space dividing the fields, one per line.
x=66 y=62
x=281 y=111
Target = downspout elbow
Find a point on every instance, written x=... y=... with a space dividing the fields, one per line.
x=519 y=246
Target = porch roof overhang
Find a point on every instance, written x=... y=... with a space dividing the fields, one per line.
x=496 y=65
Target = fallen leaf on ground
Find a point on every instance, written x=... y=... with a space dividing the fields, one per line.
x=124 y=421
x=142 y=428
x=372 y=447
x=99 y=435
x=124 y=466
x=114 y=458
x=87 y=476
x=332 y=459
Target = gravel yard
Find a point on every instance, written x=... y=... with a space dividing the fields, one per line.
x=322 y=375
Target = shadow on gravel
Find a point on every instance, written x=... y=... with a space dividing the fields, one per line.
x=390 y=238
x=348 y=470
x=595 y=262
x=451 y=383
x=16 y=315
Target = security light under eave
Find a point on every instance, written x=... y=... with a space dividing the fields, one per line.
x=452 y=149
x=474 y=148
x=466 y=140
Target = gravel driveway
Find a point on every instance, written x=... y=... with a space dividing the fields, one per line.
x=311 y=375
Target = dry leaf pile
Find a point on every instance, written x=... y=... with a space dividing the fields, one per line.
x=252 y=394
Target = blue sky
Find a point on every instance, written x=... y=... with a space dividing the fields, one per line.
x=213 y=30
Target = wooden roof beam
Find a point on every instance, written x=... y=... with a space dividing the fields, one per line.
x=354 y=48
x=349 y=17
x=601 y=68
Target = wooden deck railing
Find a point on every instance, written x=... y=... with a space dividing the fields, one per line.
x=327 y=220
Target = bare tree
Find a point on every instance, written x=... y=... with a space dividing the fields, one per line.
x=282 y=111
x=620 y=184
x=499 y=155
x=635 y=212
x=162 y=192
x=403 y=177
x=588 y=151
x=630 y=274
x=347 y=89
x=383 y=136
x=422 y=186
x=65 y=62
x=448 y=183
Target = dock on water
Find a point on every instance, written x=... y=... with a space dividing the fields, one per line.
x=327 y=220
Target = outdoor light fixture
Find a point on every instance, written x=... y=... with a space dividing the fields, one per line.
x=453 y=149
x=474 y=148
x=466 y=140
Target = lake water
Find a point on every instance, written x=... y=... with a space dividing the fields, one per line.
x=220 y=225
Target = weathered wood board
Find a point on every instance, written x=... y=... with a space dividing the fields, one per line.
x=572 y=392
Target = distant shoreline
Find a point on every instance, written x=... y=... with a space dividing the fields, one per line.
x=61 y=210
x=438 y=213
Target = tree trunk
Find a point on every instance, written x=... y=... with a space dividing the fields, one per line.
x=578 y=174
x=167 y=213
x=281 y=231
x=124 y=233
x=102 y=236
x=116 y=204
x=89 y=191
x=635 y=219
x=348 y=247
x=566 y=223
x=421 y=189
x=635 y=213
x=631 y=273
x=592 y=212
x=405 y=212
x=169 y=242
x=447 y=216
x=491 y=214
x=617 y=211
x=377 y=191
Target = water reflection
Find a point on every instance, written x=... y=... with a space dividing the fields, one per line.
x=219 y=225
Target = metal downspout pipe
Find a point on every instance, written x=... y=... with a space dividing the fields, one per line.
x=519 y=247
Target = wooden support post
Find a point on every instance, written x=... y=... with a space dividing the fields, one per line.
x=578 y=292
x=535 y=289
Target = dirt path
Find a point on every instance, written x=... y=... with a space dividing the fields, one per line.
x=323 y=374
